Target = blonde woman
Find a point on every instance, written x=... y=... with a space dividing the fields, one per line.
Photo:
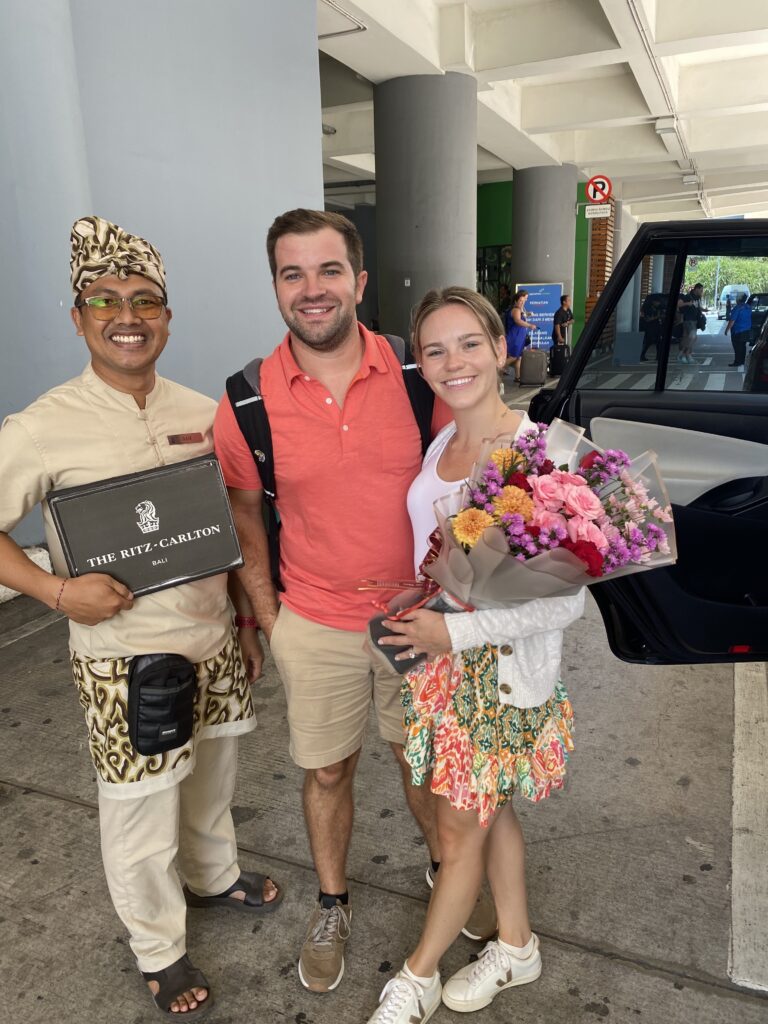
x=486 y=714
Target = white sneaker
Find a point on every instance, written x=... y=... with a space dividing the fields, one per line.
x=404 y=1001
x=477 y=984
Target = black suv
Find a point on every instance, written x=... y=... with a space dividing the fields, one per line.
x=707 y=419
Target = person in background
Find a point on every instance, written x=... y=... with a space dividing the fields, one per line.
x=651 y=315
x=689 y=307
x=516 y=329
x=739 y=327
x=505 y=299
x=563 y=317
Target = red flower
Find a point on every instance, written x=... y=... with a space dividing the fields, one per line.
x=534 y=531
x=587 y=552
x=589 y=460
x=519 y=480
x=546 y=467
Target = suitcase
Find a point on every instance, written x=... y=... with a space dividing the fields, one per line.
x=533 y=366
x=559 y=357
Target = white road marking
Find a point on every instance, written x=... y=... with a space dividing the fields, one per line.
x=748 y=955
x=680 y=382
x=715 y=382
x=615 y=381
x=645 y=383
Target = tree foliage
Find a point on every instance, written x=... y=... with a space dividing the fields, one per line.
x=751 y=271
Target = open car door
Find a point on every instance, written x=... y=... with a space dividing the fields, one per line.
x=633 y=385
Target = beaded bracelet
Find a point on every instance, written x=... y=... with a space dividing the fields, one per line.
x=246 y=622
x=61 y=591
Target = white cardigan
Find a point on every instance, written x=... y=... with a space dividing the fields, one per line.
x=529 y=635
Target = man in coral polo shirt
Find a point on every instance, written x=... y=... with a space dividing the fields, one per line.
x=346 y=448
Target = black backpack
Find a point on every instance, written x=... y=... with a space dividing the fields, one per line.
x=244 y=391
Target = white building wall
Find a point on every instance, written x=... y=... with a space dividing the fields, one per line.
x=190 y=123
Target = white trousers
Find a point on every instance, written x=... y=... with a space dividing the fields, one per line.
x=142 y=838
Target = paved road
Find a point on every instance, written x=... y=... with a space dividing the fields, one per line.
x=629 y=869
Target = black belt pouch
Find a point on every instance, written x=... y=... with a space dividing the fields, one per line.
x=161 y=701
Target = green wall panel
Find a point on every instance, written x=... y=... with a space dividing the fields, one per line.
x=494 y=227
x=580 y=264
x=494 y=213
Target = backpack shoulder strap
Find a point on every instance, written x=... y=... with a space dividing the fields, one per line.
x=244 y=391
x=421 y=395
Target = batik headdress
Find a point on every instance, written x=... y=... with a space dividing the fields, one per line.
x=100 y=247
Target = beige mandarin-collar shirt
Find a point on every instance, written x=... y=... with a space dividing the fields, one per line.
x=82 y=431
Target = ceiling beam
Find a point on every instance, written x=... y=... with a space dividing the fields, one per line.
x=611 y=101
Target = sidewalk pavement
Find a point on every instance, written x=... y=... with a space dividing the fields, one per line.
x=629 y=868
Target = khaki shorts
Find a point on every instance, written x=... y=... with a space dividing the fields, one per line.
x=689 y=331
x=330 y=680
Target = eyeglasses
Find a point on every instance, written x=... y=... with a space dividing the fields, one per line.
x=106 y=307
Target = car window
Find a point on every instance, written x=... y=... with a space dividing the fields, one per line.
x=624 y=357
x=704 y=344
x=714 y=336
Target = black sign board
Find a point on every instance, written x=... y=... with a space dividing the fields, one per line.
x=149 y=530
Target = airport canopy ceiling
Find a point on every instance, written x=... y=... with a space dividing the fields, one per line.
x=667 y=97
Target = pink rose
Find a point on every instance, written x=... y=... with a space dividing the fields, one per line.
x=568 y=478
x=580 y=501
x=548 y=520
x=584 y=529
x=547 y=492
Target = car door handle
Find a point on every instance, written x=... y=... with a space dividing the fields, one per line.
x=734 y=501
x=735 y=494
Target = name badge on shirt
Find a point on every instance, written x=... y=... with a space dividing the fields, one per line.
x=194 y=438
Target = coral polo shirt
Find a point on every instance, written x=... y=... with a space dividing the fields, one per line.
x=342 y=475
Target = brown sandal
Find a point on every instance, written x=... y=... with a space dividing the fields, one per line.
x=180 y=977
x=249 y=882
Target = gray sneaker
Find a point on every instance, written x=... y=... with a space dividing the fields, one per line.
x=321 y=964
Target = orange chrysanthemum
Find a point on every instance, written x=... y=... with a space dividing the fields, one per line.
x=505 y=459
x=469 y=524
x=514 y=500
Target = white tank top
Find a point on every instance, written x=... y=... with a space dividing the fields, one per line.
x=428 y=487
x=424 y=492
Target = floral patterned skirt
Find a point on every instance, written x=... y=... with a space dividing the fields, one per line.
x=478 y=750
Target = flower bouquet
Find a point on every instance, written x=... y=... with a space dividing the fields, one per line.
x=546 y=512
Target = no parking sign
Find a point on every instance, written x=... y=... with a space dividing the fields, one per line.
x=598 y=189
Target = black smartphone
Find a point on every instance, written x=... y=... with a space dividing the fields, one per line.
x=377 y=629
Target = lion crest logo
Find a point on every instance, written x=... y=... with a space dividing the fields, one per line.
x=148 y=521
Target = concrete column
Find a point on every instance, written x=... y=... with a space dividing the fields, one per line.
x=544 y=225
x=425 y=131
x=174 y=145
x=657 y=274
x=626 y=229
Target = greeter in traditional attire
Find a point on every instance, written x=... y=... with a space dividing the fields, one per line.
x=157 y=811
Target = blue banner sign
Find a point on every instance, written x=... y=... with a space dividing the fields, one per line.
x=540 y=307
